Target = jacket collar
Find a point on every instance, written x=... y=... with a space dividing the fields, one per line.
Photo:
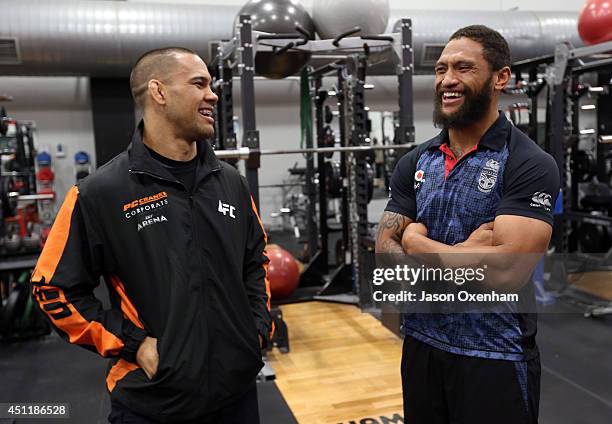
x=140 y=159
x=495 y=138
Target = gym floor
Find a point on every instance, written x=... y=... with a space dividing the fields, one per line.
x=50 y=370
x=343 y=367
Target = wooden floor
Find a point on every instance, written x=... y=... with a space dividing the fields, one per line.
x=343 y=365
x=596 y=283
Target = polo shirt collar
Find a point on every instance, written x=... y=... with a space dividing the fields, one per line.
x=495 y=138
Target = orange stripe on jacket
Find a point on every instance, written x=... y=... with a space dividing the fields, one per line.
x=264 y=252
x=127 y=307
x=78 y=329
x=55 y=244
x=122 y=367
x=265 y=266
x=117 y=372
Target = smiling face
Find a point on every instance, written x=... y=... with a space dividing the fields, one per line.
x=464 y=86
x=189 y=99
x=180 y=97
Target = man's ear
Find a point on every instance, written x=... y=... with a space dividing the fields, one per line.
x=503 y=78
x=157 y=91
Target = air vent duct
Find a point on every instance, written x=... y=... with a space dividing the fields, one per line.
x=431 y=53
x=9 y=51
x=104 y=38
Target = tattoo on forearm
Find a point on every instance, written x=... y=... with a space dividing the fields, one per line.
x=390 y=230
x=389 y=246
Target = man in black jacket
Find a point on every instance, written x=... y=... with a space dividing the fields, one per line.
x=177 y=238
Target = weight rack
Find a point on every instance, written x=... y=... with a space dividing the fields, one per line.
x=562 y=75
x=237 y=56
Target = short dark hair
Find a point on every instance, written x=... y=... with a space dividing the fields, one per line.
x=152 y=64
x=495 y=48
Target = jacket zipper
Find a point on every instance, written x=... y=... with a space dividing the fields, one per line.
x=189 y=196
x=159 y=177
x=195 y=233
x=196 y=240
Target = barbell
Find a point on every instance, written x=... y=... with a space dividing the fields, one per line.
x=246 y=152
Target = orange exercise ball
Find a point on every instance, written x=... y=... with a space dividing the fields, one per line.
x=595 y=22
x=283 y=271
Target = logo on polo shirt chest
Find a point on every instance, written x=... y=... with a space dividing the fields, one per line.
x=488 y=176
x=419 y=177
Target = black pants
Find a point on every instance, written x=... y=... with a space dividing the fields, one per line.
x=244 y=410
x=443 y=388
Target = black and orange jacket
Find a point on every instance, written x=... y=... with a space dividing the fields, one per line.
x=187 y=269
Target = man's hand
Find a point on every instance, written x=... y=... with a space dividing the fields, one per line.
x=412 y=232
x=148 y=357
x=481 y=236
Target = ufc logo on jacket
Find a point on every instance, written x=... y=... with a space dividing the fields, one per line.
x=224 y=208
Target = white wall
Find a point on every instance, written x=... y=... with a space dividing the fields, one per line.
x=62 y=108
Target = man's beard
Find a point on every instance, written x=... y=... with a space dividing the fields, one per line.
x=207 y=132
x=474 y=108
x=199 y=130
x=190 y=129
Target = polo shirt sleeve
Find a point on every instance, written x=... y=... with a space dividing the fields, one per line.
x=402 y=198
x=531 y=185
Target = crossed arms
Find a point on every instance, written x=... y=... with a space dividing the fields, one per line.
x=498 y=243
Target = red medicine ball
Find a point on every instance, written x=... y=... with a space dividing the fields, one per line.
x=595 y=22
x=283 y=270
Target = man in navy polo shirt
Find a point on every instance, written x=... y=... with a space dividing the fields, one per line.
x=480 y=186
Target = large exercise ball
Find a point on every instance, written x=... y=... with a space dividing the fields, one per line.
x=333 y=17
x=595 y=22
x=278 y=16
x=283 y=271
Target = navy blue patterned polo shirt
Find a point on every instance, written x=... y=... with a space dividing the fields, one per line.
x=505 y=174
